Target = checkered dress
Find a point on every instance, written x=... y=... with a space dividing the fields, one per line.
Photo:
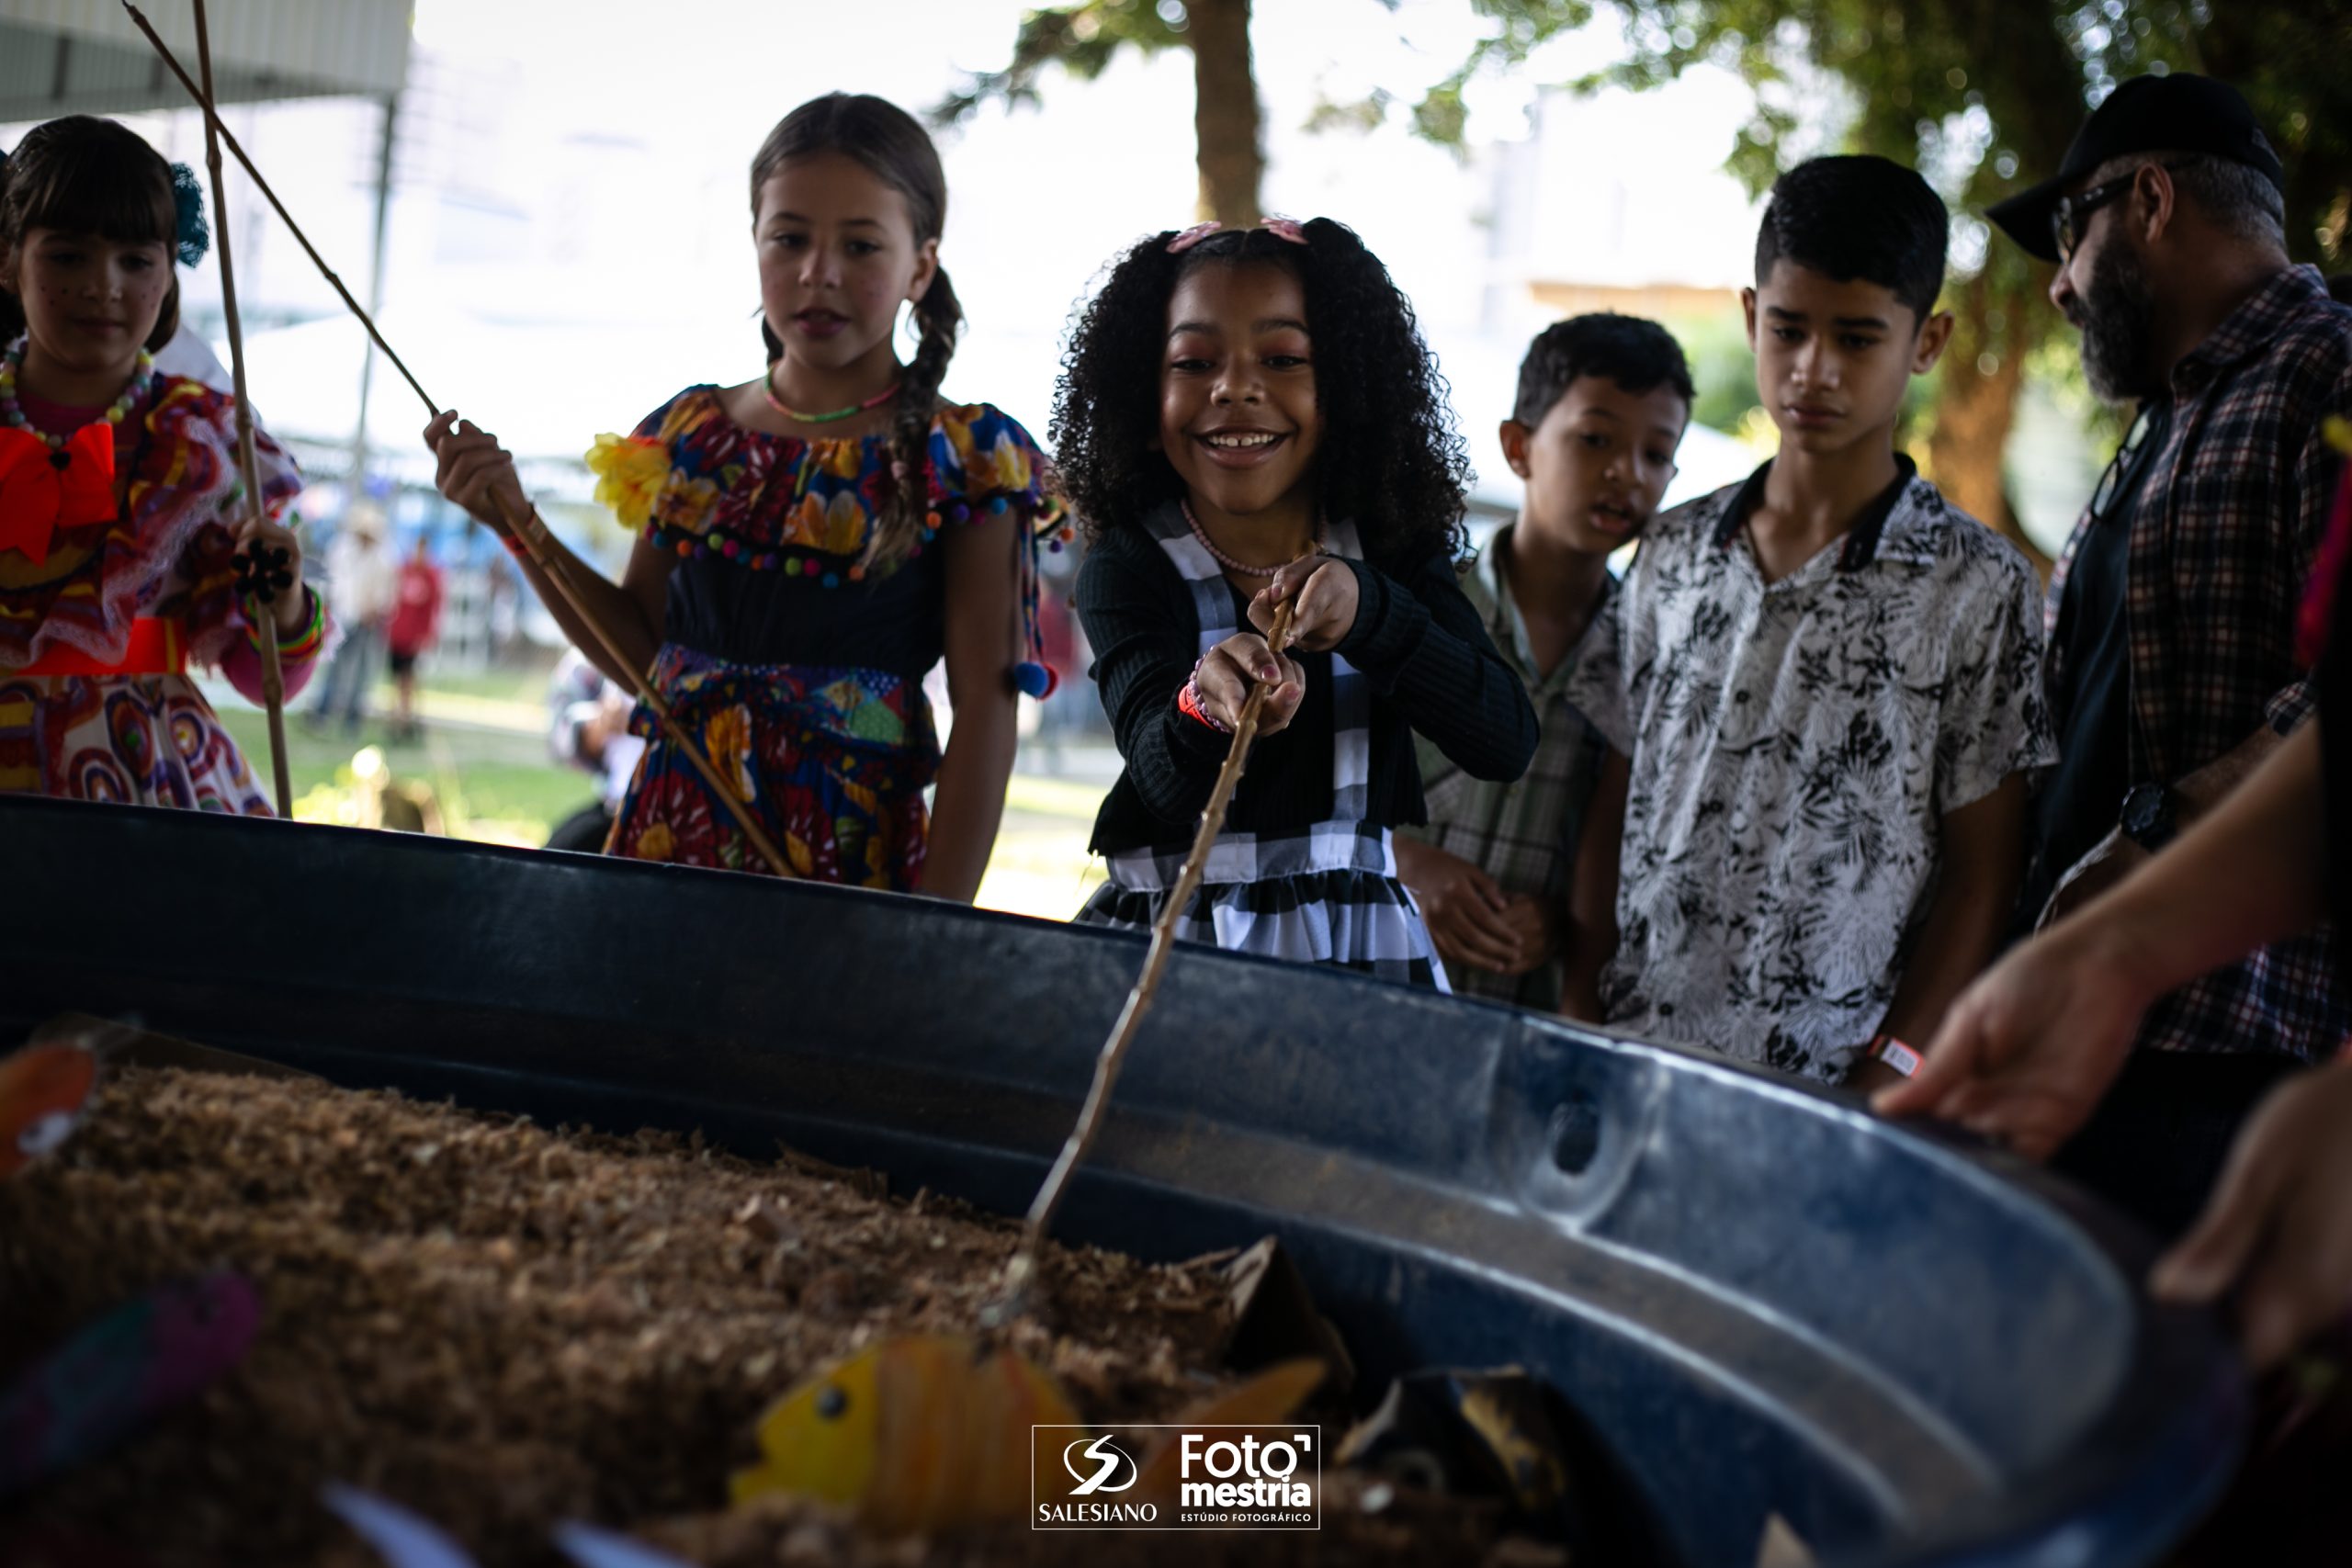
x=2229 y=518
x=1327 y=893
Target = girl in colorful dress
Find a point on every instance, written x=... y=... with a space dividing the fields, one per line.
x=814 y=539
x=123 y=554
x=1248 y=417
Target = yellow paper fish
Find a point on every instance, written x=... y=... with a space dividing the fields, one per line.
x=930 y=1432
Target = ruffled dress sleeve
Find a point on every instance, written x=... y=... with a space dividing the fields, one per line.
x=984 y=466
x=168 y=551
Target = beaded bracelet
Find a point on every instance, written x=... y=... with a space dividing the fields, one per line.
x=301 y=646
x=1189 y=703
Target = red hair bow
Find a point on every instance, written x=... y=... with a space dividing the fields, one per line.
x=43 y=492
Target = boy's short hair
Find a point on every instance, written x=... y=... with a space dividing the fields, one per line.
x=1637 y=354
x=1858 y=216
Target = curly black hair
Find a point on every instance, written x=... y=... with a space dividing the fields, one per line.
x=1390 y=459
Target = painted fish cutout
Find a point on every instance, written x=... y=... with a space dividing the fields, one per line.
x=922 y=1431
x=120 y=1371
x=405 y=1538
x=43 y=1091
x=931 y=1432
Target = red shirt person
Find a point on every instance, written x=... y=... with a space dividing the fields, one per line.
x=416 y=624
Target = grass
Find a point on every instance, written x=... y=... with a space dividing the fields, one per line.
x=494 y=780
x=490 y=783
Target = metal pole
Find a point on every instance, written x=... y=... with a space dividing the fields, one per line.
x=375 y=288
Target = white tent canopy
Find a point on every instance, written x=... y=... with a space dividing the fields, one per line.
x=60 y=57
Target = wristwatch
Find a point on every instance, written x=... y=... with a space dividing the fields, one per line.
x=2147 y=817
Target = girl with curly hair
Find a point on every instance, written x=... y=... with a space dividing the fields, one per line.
x=1245 y=418
x=121 y=516
x=814 y=539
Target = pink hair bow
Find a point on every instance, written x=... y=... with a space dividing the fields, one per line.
x=1193 y=236
x=1279 y=227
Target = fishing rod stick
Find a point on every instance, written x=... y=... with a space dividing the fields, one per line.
x=273 y=674
x=1019 y=1274
x=531 y=532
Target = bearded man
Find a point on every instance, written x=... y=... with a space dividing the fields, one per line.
x=2171 y=666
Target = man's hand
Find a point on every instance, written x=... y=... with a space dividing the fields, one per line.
x=2028 y=1050
x=2278 y=1227
x=1464 y=908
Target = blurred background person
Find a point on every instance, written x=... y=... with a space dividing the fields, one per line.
x=363 y=582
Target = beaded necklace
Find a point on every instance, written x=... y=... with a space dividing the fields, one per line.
x=1226 y=561
x=767 y=390
x=12 y=413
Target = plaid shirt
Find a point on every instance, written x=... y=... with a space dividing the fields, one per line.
x=2223 y=532
x=1522 y=834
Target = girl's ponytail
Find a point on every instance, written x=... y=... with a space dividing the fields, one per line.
x=939 y=316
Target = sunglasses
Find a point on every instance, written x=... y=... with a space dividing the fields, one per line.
x=2073 y=213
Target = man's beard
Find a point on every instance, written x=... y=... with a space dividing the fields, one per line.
x=2117 y=316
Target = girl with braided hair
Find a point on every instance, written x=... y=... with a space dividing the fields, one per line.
x=813 y=540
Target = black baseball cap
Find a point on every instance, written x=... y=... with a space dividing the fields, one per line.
x=2178 y=113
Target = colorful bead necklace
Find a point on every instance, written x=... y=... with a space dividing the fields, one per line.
x=12 y=413
x=767 y=390
x=1226 y=561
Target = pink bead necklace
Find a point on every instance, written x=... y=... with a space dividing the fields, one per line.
x=1226 y=561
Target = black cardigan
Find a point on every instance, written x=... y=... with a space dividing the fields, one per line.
x=1418 y=641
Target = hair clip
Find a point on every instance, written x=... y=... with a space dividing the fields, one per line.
x=1284 y=229
x=1193 y=236
x=191 y=237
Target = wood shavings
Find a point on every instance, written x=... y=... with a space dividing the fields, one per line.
x=501 y=1326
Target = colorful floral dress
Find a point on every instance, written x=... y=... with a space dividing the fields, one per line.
x=152 y=588
x=798 y=671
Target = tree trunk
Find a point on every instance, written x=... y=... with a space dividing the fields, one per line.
x=1976 y=402
x=1225 y=111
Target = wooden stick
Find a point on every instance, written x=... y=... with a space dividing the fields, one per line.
x=531 y=532
x=273 y=674
x=1019 y=1274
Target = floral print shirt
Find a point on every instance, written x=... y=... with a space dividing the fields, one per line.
x=1794 y=746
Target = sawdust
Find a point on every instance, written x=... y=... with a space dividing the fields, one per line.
x=502 y=1325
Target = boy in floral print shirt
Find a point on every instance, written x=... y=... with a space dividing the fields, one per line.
x=1821 y=687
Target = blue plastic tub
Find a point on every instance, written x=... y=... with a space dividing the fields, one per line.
x=1758 y=1298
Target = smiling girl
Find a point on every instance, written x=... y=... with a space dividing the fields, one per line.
x=814 y=539
x=120 y=519
x=1248 y=417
